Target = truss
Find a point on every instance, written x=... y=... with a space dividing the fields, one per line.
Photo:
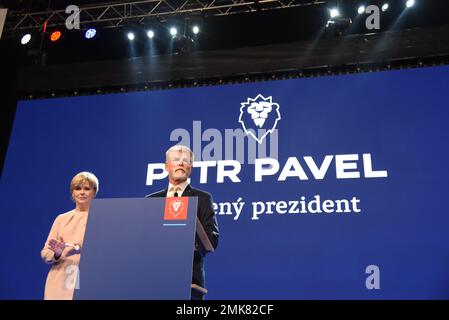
x=115 y=15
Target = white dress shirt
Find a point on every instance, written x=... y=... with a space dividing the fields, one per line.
x=178 y=188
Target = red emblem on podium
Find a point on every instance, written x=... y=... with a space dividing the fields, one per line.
x=176 y=208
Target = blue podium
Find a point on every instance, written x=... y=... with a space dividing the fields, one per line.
x=138 y=248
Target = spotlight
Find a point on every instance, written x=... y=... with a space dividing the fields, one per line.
x=182 y=44
x=361 y=10
x=334 y=12
x=90 y=33
x=173 y=31
x=196 y=29
x=337 y=26
x=385 y=7
x=150 y=34
x=55 y=36
x=130 y=36
x=25 y=39
x=410 y=3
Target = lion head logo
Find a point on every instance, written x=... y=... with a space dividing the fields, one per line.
x=259 y=113
x=176 y=207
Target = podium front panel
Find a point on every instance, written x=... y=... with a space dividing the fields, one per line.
x=135 y=249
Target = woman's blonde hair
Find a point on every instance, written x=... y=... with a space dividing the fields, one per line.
x=82 y=177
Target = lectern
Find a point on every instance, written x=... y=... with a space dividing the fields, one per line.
x=138 y=248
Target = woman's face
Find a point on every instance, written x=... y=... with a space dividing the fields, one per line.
x=83 y=193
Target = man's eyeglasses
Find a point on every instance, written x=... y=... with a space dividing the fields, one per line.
x=179 y=160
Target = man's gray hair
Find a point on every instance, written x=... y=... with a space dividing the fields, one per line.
x=177 y=148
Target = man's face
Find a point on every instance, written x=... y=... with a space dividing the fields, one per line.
x=178 y=166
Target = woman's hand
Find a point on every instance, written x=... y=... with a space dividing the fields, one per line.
x=57 y=247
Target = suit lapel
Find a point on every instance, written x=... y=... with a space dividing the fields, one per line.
x=187 y=191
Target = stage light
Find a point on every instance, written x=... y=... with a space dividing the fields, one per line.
x=130 y=36
x=183 y=44
x=385 y=7
x=361 y=10
x=90 y=33
x=337 y=26
x=410 y=3
x=55 y=36
x=150 y=34
x=25 y=39
x=196 y=29
x=334 y=13
x=173 y=31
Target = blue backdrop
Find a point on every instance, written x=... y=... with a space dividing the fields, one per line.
x=395 y=247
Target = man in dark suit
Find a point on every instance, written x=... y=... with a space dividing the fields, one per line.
x=178 y=164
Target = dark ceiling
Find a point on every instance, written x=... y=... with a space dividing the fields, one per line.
x=217 y=32
x=40 y=5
